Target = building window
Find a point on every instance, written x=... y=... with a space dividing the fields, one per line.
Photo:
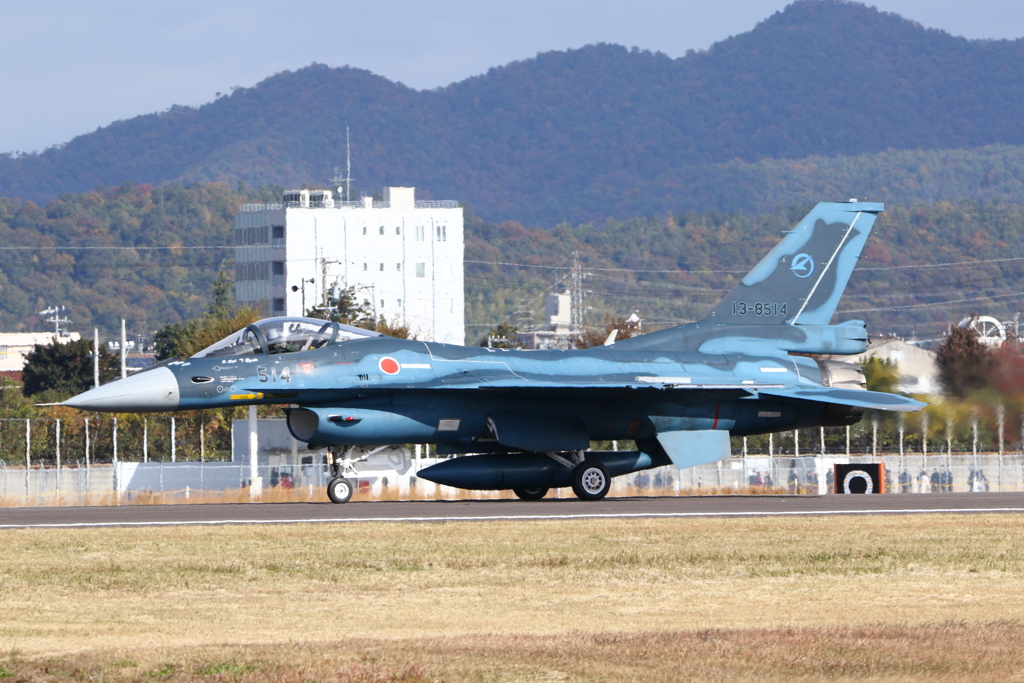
x=382 y=303
x=421 y=270
x=278 y=236
x=399 y=303
x=398 y=229
x=398 y=267
x=448 y=305
x=277 y=270
x=382 y=267
x=421 y=233
x=366 y=266
x=382 y=229
x=278 y=305
x=364 y=229
x=442 y=233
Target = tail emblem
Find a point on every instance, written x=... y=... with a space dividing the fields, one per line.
x=803 y=265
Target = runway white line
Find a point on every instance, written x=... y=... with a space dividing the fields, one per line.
x=489 y=518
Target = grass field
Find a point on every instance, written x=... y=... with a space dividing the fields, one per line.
x=931 y=596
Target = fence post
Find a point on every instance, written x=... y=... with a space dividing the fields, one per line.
x=145 y=440
x=924 y=434
x=1001 y=419
x=847 y=441
x=822 y=440
x=255 y=482
x=57 y=453
x=114 y=461
x=796 y=443
x=874 y=437
x=174 y=443
x=901 y=434
x=202 y=440
x=28 y=456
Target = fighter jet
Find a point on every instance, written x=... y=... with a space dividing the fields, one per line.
x=524 y=420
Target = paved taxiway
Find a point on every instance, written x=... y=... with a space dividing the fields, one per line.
x=483 y=510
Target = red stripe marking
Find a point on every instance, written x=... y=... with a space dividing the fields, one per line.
x=717 y=406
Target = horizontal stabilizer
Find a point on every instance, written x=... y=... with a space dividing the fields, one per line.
x=876 y=400
x=697 y=447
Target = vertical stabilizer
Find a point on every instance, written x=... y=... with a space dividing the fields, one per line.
x=801 y=280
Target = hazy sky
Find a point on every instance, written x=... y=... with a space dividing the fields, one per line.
x=69 y=67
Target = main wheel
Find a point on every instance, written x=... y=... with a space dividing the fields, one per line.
x=530 y=494
x=590 y=480
x=340 y=490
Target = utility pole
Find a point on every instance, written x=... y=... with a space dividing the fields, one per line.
x=57 y=318
x=95 y=357
x=124 y=351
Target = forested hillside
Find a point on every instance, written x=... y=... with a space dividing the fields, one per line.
x=146 y=254
x=605 y=131
x=151 y=255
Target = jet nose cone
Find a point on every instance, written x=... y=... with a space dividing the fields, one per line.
x=145 y=392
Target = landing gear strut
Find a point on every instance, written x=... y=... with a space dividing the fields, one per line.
x=342 y=468
x=590 y=480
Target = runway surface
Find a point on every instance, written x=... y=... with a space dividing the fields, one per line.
x=483 y=511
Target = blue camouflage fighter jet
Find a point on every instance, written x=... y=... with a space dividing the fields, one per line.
x=524 y=420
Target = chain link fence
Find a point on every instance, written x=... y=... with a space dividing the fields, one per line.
x=103 y=461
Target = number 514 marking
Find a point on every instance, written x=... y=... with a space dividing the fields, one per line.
x=271 y=376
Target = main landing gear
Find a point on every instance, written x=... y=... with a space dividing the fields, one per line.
x=530 y=494
x=590 y=480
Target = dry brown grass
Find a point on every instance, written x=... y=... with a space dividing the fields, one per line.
x=936 y=596
x=946 y=652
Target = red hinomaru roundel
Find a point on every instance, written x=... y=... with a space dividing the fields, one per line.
x=389 y=366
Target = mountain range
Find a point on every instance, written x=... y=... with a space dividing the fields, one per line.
x=823 y=100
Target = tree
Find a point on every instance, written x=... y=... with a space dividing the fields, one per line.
x=880 y=375
x=502 y=337
x=343 y=306
x=623 y=327
x=184 y=340
x=64 y=369
x=965 y=364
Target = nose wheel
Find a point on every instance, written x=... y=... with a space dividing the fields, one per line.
x=340 y=490
x=590 y=480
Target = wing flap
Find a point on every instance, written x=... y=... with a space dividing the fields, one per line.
x=875 y=400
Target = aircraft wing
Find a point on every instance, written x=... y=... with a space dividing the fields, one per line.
x=859 y=398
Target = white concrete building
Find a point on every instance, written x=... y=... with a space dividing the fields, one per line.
x=918 y=368
x=14 y=346
x=403 y=256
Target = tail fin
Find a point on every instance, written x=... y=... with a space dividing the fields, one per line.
x=801 y=280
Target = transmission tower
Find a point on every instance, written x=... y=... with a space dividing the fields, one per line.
x=576 y=292
x=347 y=178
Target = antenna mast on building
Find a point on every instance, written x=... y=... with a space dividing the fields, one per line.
x=56 y=318
x=347 y=179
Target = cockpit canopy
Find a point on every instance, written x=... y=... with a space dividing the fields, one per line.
x=284 y=335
